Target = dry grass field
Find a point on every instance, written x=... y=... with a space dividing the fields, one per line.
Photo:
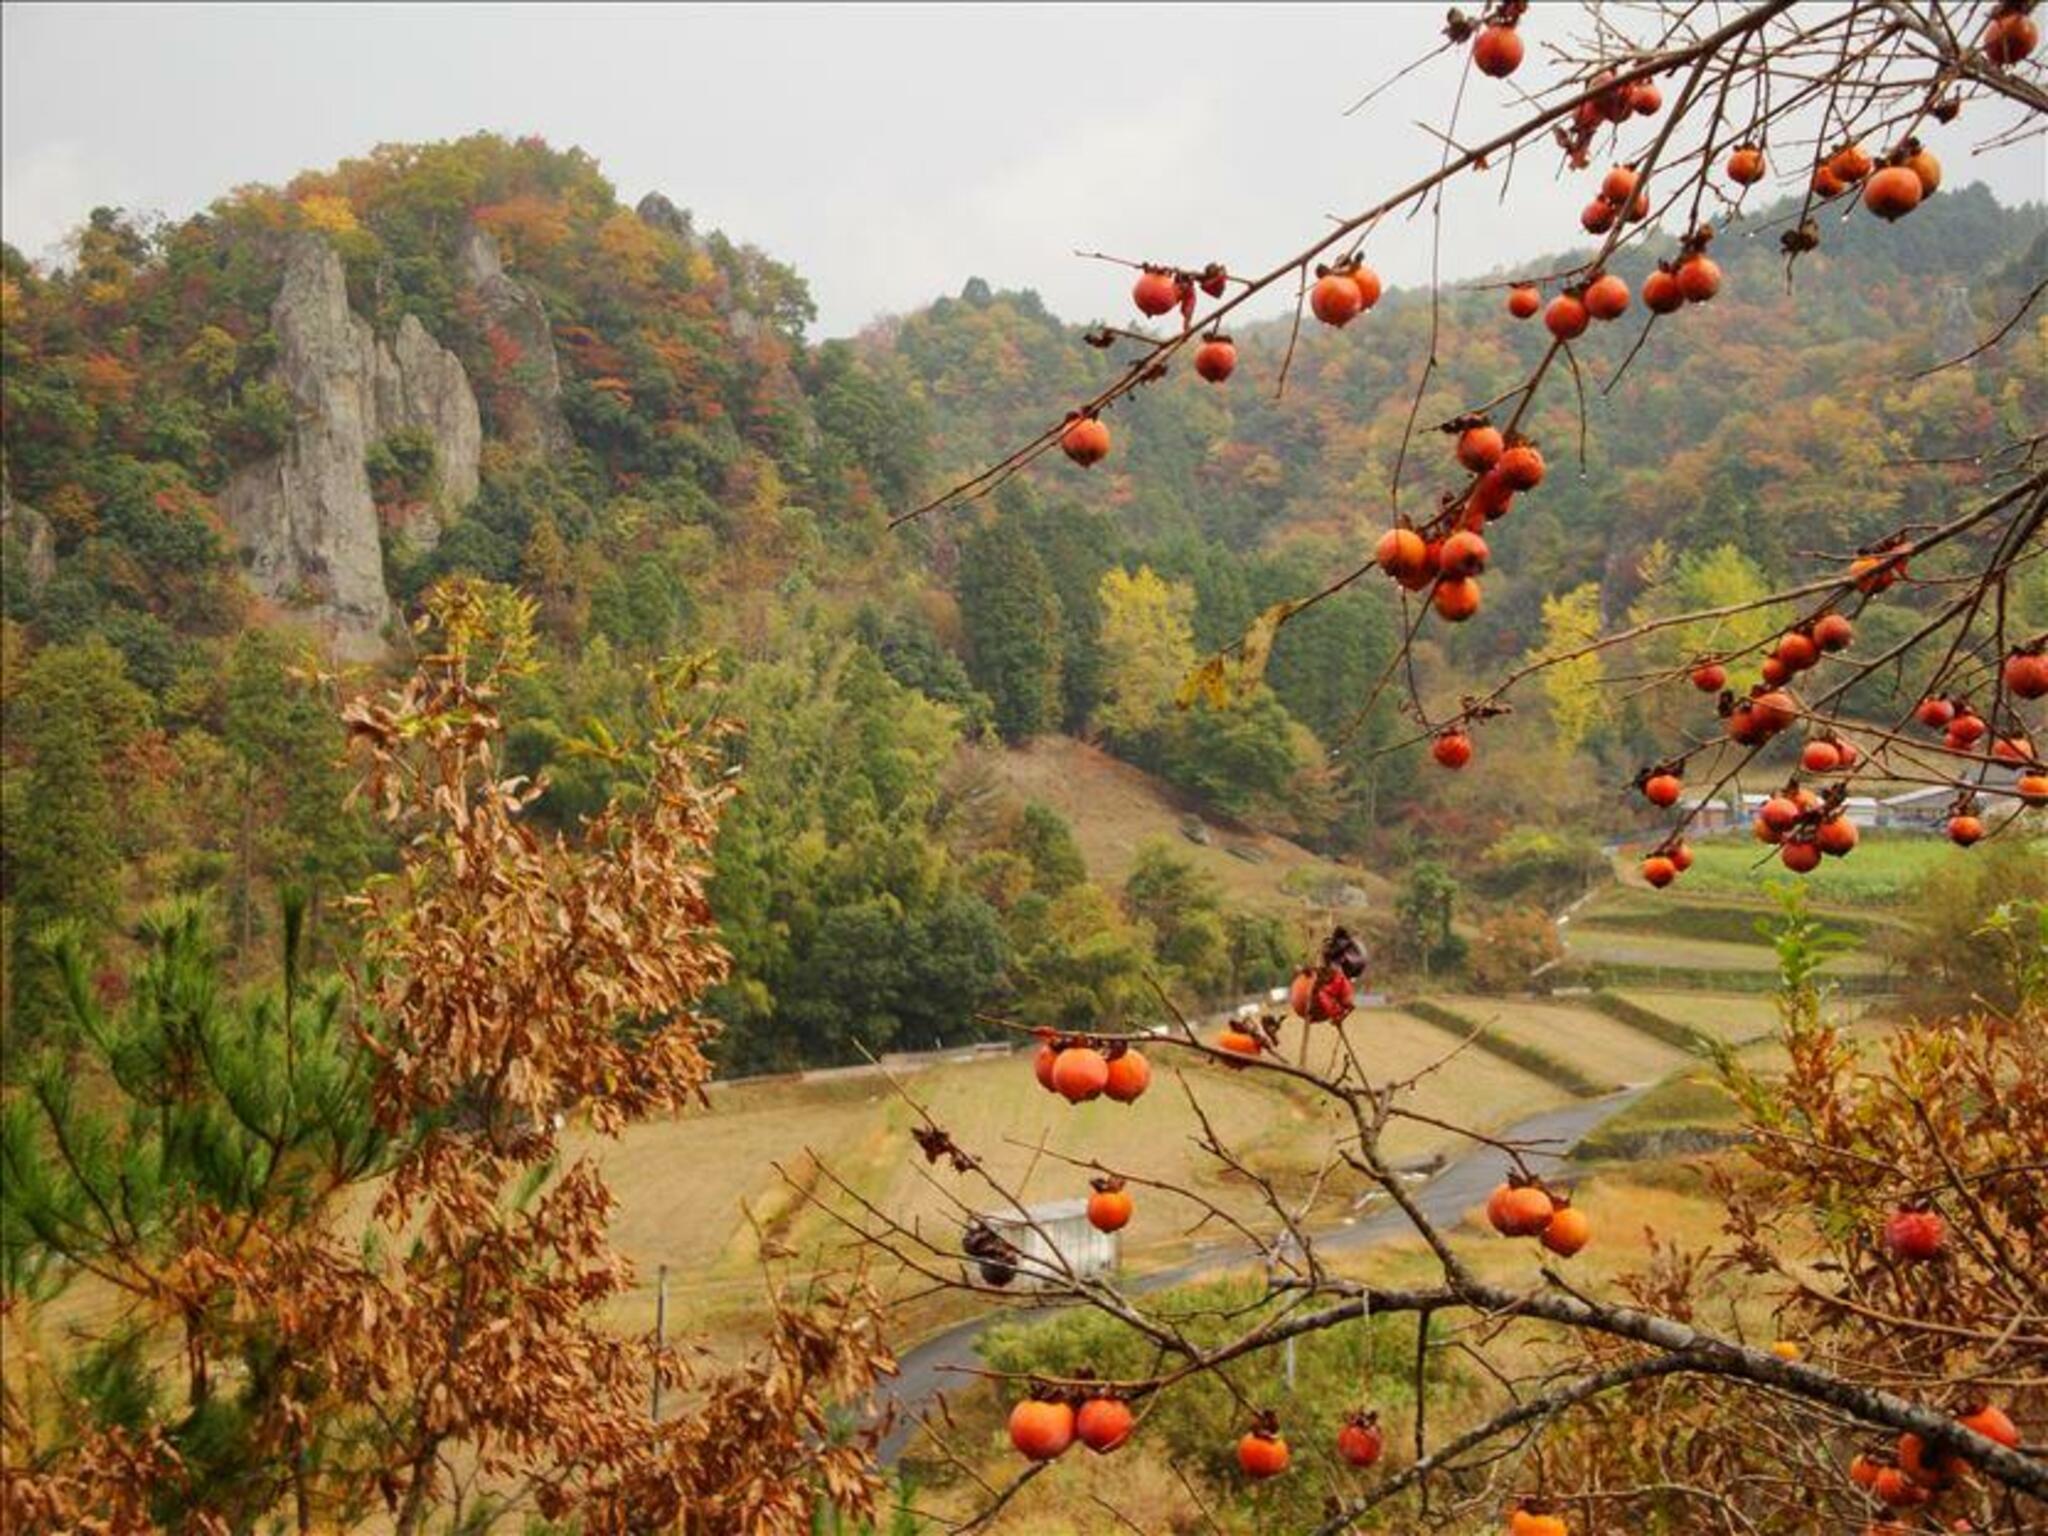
x=1116 y=809
x=1603 y=1048
x=685 y=1186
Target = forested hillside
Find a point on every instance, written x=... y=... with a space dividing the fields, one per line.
x=238 y=448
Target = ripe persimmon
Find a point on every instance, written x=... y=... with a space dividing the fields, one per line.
x=1361 y=1440
x=1606 y=297
x=1836 y=836
x=1086 y=440
x=1914 y=1233
x=1529 y=1522
x=1893 y=192
x=2026 y=676
x=1238 y=1043
x=1336 y=299
x=1663 y=789
x=1645 y=99
x=1659 y=871
x=1926 y=165
x=1519 y=1210
x=1524 y=300
x=1797 y=650
x=1895 y=1488
x=2009 y=37
x=1566 y=317
x=1992 y=1422
x=1850 y=163
x=1746 y=165
x=1780 y=813
x=1966 y=729
x=1216 y=359
x=1833 y=632
x=1598 y=216
x=1820 y=757
x=1367 y=282
x=1464 y=554
x=1710 y=677
x=1452 y=748
x=1110 y=1206
x=1681 y=856
x=1155 y=292
x=1935 y=714
x=1774 y=710
x=1965 y=830
x=1262 y=1454
x=1567 y=1231
x=1129 y=1076
x=1103 y=1424
x=1619 y=184
x=1699 y=278
x=1041 y=1065
x=1521 y=467
x=1801 y=855
x=1480 y=447
x=1041 y=1430
x=1401 y=552
x=1661 y=295
x=1497 y=51
x=1080 y=1074
x=2032 y=788
x=1874 y=573
x=1456 y=598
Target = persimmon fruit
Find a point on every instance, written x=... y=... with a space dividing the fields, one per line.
x=1129 y=1076
x=1080 y=1074
x=1566 y=317
x=1216 y=359
x=1041 y=1430
x=1103 y=1424
x=1497 y=51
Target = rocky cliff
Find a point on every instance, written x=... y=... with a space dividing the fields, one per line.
x=529 y=411
x=305 y=518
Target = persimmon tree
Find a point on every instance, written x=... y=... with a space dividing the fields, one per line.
x=1892 y=1210
x=354 y=1271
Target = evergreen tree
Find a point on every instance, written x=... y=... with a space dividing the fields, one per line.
x=72 y=715
x=1013 y=629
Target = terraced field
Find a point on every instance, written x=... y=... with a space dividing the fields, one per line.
x=682 y=1185
x=1729 y=1018
x=1603 y=1048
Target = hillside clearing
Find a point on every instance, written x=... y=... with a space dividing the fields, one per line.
x=1115 y=809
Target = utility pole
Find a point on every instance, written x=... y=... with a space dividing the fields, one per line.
x=660 y=1335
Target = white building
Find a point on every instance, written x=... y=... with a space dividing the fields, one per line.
x=1056 y=1233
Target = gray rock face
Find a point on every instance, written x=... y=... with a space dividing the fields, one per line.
x=18 y=520
x=304 y=518
x=534 y=404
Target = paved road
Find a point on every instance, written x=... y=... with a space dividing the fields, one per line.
x=1462 y=1183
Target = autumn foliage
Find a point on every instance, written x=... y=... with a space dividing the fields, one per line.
x=382 y=1284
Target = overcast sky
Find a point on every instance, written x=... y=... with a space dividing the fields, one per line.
x=888 y=152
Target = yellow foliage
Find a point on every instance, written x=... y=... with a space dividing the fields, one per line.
x=1573 y=687
x=631 y=245
x=1148 y=644
x=328 y=212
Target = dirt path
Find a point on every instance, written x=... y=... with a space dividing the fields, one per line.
x=1463 y=1183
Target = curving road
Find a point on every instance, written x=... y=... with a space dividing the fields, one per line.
x=1461 y=1184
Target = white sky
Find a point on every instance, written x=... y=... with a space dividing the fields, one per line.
x=888 y=152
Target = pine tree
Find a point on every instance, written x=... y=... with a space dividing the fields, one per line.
x=74 y=712
x=1013 y=629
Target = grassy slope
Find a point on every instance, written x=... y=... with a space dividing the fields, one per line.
x=1115 y=809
